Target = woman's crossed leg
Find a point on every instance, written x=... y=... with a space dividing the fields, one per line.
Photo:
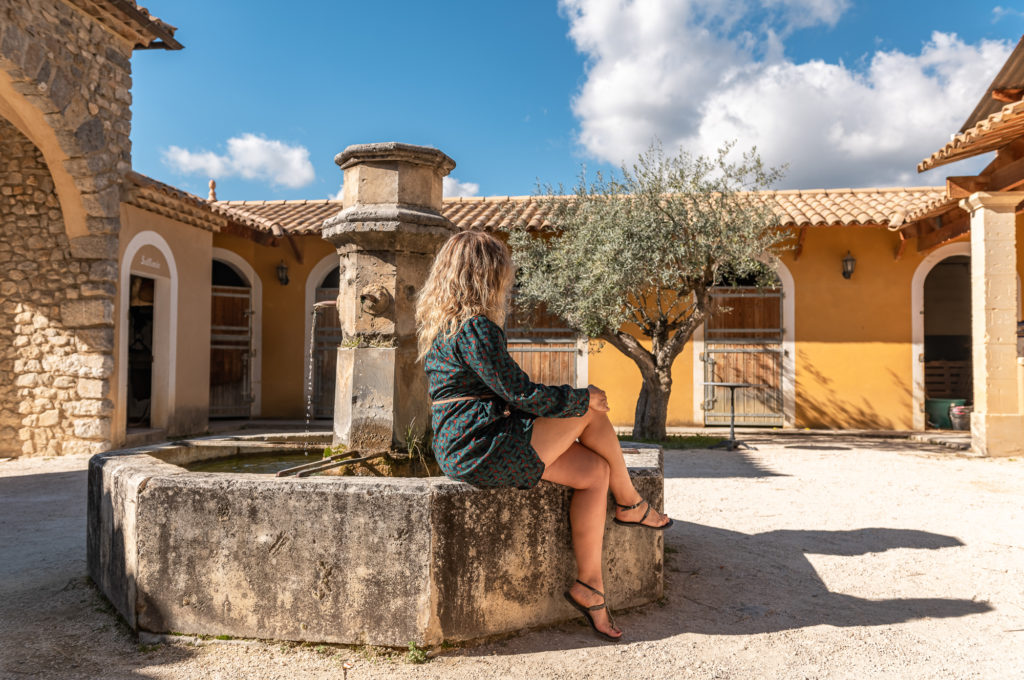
x=590 y=466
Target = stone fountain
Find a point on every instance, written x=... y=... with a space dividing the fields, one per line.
x=387 y=233
x=355 y=559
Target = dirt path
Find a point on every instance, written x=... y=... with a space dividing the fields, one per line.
x=811 y=557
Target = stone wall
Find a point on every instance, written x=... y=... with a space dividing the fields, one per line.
x=52 y=396
x=65 y=96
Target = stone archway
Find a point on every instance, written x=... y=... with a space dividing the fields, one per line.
x=55 y=329
x=65 y=92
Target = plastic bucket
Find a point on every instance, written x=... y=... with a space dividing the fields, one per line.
x=938 y=411
x=960 y=417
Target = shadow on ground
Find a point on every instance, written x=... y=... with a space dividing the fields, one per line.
x=722 y=582
x=53 y=622
x=712 y=464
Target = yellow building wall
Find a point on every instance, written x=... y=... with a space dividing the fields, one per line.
x=191 y=249
x=282 y=353
x=853 y=346
x=619 y=377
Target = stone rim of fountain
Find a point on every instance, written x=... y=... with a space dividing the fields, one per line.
x=387 y=560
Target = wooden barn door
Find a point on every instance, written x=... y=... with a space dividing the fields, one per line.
x=551 y=361
x=325 y=354
x=743 y=344
x=542 y=346
x=230 y=352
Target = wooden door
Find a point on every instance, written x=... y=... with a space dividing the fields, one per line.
x=551 y=361
x=326 y=338
x=743 y=344
x=230 y=352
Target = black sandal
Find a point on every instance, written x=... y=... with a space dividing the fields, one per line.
x=664 y=526
x=590 y=618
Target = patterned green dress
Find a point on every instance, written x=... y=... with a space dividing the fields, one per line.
x=486 y=442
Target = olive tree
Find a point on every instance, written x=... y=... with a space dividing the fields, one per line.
x=631 y=259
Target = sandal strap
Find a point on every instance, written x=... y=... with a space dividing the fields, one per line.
x=590 y=588
x=635 y=505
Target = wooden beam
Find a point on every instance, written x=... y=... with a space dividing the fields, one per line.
x=1008 y=94
x=964 y=185
x=295 y=248
x=957 y=226
x=902 y=246
x=1004 y=156
x=800 y=243
x=1010 y=173
x=261 y=237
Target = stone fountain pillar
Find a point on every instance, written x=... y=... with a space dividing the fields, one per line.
x=387 y=234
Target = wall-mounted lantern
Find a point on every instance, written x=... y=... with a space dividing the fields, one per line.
x=282 y=273
x=849 y=262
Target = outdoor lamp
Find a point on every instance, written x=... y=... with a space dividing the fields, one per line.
x=849 y=262
x=282 y=273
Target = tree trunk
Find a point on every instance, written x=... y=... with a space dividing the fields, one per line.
x=652 y=405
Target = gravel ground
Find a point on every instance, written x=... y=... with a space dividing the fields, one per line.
x=812 y=557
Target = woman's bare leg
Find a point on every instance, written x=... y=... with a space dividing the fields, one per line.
x=595 y=431
x=587 y=474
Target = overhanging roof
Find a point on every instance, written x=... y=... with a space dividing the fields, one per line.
x=995 y=132
x=1010 y=77
x=131 y=22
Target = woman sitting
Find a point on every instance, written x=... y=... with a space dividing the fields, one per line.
x=493 y=427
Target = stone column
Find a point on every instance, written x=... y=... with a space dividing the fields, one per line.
x=387 y=233
x=997 y=424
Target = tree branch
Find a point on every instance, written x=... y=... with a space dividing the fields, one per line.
x=631 y=347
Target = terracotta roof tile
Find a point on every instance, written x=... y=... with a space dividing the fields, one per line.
x=280 y=217
x=817 y=207
x=994 y=132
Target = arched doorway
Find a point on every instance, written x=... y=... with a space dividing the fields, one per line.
x=231 y=341
x=744 y=341
x=326 y=338
x=148 y=330
x=947 y=337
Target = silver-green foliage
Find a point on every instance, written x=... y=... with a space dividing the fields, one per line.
x=645 y=246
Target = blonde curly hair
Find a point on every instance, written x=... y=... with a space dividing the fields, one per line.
x=471 y=275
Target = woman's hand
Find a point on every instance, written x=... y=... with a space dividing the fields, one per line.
x=598 y=399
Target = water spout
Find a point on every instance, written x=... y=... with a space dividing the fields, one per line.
x=309 y=374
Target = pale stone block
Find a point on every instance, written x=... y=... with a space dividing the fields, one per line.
x=92 y=428
x=92 y=389
x=91 y=407
x=997 y=434
x=87 y=312
x=49 y=418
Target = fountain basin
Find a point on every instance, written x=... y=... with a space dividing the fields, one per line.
x=352 y=560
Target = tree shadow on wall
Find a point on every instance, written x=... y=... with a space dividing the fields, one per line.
x=833 y=409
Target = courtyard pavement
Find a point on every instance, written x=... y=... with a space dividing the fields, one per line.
x=813 y=557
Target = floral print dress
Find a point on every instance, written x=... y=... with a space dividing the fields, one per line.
x=486 y=442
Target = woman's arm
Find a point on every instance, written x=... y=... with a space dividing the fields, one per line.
x=482 y=345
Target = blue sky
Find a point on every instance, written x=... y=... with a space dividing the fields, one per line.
x=848 y=92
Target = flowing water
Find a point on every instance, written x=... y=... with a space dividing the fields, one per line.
x=312 y=369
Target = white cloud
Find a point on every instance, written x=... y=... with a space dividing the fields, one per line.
x=999 y=12
x=801 y=13
x=453 y=187
x=249 y=156
x=835 y=126
x=338 y=196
